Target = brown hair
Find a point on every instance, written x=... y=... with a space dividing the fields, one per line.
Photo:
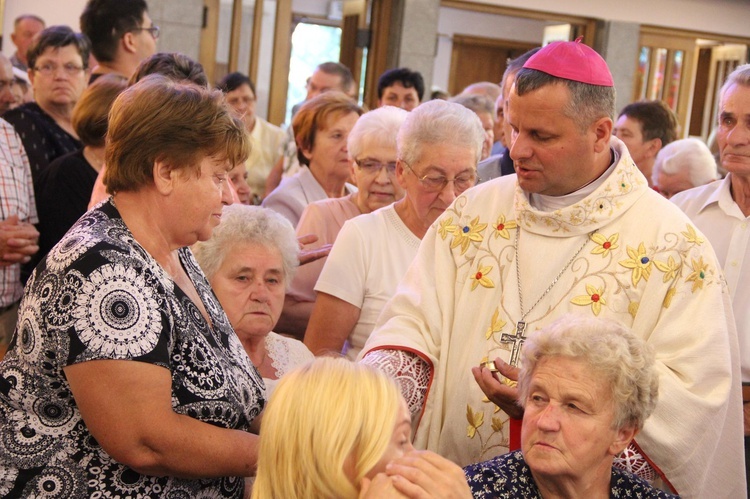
x=316 y=114
x=159 y=119
x=90 y=113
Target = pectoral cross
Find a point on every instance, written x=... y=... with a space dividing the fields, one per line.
x=517 y=340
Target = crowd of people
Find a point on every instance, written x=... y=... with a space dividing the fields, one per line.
x=511 y=292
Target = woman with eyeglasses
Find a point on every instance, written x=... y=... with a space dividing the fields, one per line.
x=372 y=150
x=58 y=69
x=439 y=146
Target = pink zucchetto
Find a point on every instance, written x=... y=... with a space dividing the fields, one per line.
x=572 y=61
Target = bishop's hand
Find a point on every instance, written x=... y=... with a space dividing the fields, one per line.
x=500 y=386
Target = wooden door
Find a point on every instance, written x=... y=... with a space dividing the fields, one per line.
x=476 y=59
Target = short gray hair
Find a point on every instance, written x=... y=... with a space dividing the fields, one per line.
x=740 y=76
x=476 y=102
x=382 y=124
x=611 y=350
x=587 y=103
x=686 y=154
x=242 y=224
x=439 y=122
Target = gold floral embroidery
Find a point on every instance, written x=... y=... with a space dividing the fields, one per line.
x=670 y=268
x=502 y=226
x=668 y=297
x=446 y=227
x=604 y=244
x=698 y=275
x=475 y=419
x=594 y=297
x=463 y=236
x=639 y=262
x=692 y=236
x=481 y=278
x=497 y=424
x=496 y=325
x=633 y=308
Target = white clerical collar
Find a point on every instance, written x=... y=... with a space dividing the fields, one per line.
x=542 y=202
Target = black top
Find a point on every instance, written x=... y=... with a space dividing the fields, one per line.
x=43 y=139
x=62 y=194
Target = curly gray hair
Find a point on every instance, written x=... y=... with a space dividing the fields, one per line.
x=611 y=350
x=242 y=224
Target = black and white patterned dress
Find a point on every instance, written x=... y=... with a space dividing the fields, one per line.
x=99 y=295
x=509 y=477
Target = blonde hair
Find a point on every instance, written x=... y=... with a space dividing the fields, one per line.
x=323 y=415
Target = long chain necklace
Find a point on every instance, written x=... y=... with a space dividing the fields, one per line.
x=518 y=338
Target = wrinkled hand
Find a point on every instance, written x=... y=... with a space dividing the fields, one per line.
x=18 y=241
x=501 y=394
x=307 y=256
x=424 y=474
x=379 y=487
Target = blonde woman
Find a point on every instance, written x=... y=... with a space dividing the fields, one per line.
x=330 y=430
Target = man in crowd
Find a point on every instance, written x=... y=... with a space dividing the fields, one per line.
x=574 y=232
x=400 y=87
x=18 y=237
x=25 y=27
x=722 y=211
x=121 y=33
x=646 y=127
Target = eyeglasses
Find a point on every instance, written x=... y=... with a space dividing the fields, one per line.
x=373 y=167
x=434 y=183
x=154 y=30
x=50 y=69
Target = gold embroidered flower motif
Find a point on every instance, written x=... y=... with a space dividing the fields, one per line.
x=670 y=268
x=496 y=325
x=446 y=227
x=594 y=297
x=481 y=278
x=698 y=275
x=668 y=297
x=604 y=244
x=633 y=308
x=692 y=236
x=639 y=262
x=501 y=227
x=463 y=236
x=475 y=419
x=497 y=424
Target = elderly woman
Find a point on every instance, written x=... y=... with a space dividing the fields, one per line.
x=322 y=126
x=438 y=149
x=249 y=261
x=63 y=190
x=58 y=69
x=682 y=165
x=587 y=386
x=484 y=107
x=124 y=377
x=372 y=148
x=332 y=428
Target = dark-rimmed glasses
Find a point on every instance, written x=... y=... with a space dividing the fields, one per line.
x=153 y=30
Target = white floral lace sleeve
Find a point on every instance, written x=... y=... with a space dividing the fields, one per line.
x=286 y=353
x=410 y=371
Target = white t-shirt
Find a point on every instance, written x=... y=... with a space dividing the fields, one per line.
x=368 y=260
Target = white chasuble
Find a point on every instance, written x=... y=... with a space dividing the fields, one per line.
x=643 y=264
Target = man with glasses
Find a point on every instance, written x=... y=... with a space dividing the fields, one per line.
x=58 y=70
x=576 y=230
x=122 y=35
